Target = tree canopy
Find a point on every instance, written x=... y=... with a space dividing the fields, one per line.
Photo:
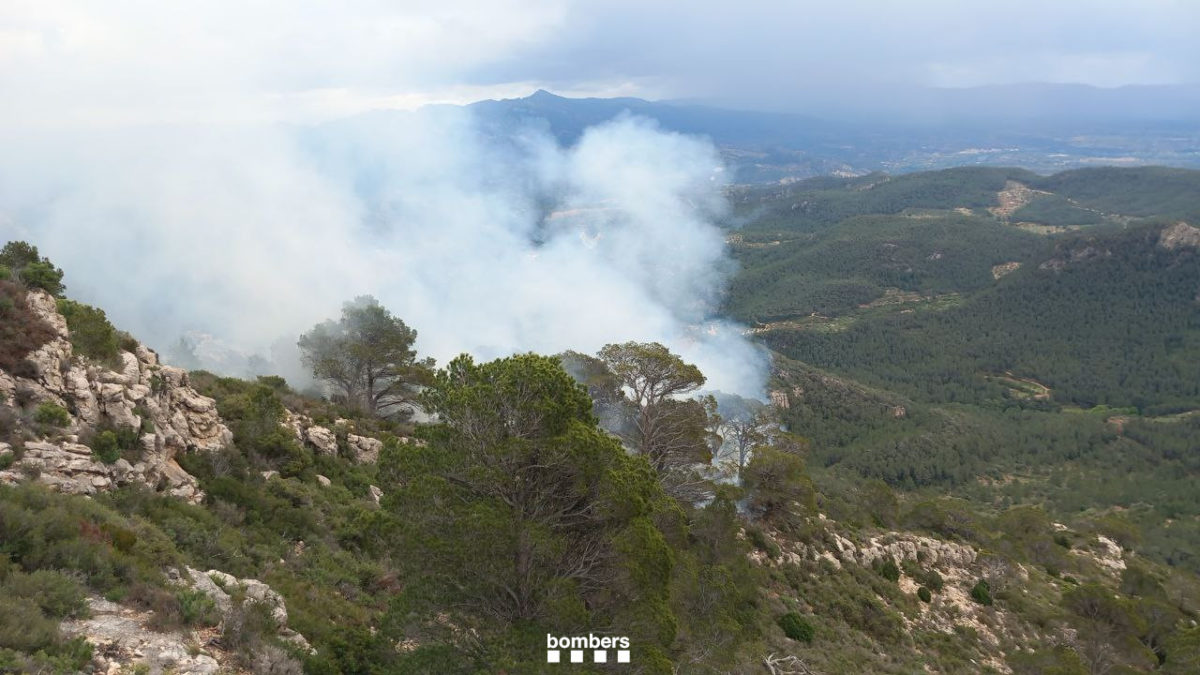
x=671 y=431
x=523 y=510
x=368 y=356
x=22 y=262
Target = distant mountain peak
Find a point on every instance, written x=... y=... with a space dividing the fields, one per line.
x=543 y=95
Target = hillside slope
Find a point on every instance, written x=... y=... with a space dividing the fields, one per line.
x=299 y=527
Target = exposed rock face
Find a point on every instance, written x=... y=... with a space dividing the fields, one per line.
x=1179 y=235
x=1004 y=269
x=897 y=547
x=365 y=449
x=120 y=639
x=139 y=390
x=1106 y=553
x=324 y=440
x=779 y=399
x=909 y=547
x=223 y=588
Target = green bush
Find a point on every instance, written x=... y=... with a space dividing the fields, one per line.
x=888 y=570
x=57 y=595
x=112 y=443
x=91 y=333
x=106 y=447
x=982 y=593
x=761 y=542
x=931 y=579
x=196 y=608
x=924 y=595
x=23 y=627
x=52 y=415
x=795 y=627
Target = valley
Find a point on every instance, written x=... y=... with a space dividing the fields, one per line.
x=979 y=454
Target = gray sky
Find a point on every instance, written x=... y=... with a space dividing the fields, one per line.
x=98 y=63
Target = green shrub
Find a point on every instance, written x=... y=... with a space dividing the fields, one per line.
x=795 y=627
x=51 y=415
x=91 y=333
x=982 y=593
x=888 y=570
x=172 y=609
x=931 y=580
x=70 y=656
x=924 y=595
x=196 y=608
x=57 y=595
x=23 y=627
x=1060 y=660
x=761 y=542
x=112 y=443
x=106 y=447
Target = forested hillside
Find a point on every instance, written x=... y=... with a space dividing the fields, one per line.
x=979 y=454
x=990 y=344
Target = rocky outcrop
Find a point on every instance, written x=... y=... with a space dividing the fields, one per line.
x=364 y=449
x=230 y=593
x=898 y=547
x=123 y=640
x=120 y=639
x=137 y=394
x=1004 y=269
x=72 y=468
x=1179 y=235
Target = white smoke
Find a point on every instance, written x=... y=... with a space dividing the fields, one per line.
x=485 y=245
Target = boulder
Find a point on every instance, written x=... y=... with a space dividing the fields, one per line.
x=324 y=440
x=366 y=449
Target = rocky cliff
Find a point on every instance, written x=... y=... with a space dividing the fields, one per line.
x=138 y=396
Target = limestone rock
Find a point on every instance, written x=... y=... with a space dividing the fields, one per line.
x=221 y=587
x=322 y=439
x=366 y=449
x=376 y=494
x=322 y=480
x=120 y=639
x=139 y=390
x=1179 y=235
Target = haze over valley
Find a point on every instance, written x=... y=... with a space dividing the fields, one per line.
x=531 y=337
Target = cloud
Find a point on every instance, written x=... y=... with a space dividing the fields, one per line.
x=73 y=62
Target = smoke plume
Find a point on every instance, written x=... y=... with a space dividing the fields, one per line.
x=489 y=244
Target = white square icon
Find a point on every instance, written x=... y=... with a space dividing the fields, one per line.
x=552 y=656
x=622 y=656
x=576 y=656
x=599 y=656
